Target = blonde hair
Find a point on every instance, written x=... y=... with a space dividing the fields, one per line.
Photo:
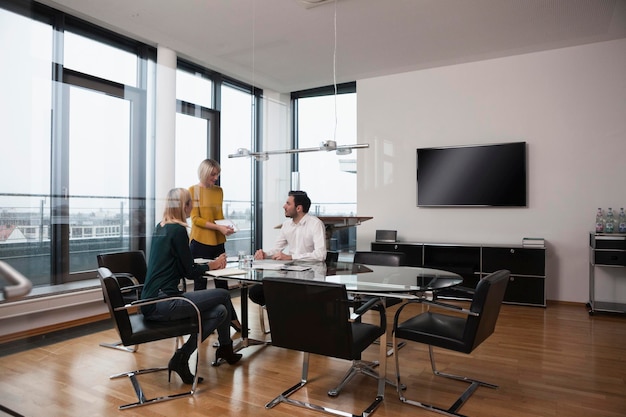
x=206 y=168
x=175 y=203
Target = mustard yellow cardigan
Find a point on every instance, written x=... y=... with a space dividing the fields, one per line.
x=207 y=207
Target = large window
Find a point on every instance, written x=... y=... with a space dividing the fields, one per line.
x=237 y=179
x=25 y=125
x=203 y=132
x=328 y=178
x=77 y=122
x=74 y=119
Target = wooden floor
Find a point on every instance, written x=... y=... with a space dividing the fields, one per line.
x=549 y=362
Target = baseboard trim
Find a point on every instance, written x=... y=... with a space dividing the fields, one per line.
x=52 y=328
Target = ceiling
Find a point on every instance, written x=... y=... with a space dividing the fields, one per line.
x=291 y=45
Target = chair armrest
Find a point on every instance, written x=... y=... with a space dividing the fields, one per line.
x=434 y=303
x=126 y=280
x=467 y=290
x=371 y=304
x=451 y=307
x=368 y=306
x=138 y=287
x=156 y=300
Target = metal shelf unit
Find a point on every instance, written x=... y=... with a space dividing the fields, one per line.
x=605 y=251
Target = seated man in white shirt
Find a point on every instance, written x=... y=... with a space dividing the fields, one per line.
x=302 y=234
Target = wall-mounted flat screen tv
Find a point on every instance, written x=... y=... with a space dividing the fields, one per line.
x=484 y=175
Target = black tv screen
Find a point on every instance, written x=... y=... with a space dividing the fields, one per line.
x=483 y=175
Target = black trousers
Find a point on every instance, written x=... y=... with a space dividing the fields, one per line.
x=200 y=250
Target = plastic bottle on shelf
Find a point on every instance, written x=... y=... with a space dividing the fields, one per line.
x=622 y=221
x=609 y=223
x=599 y=221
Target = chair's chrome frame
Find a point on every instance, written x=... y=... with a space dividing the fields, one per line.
x=132 y=375
x=120 y=346
x=137 y=288
x=474 y=383
x=284 y=397
x=262 y=320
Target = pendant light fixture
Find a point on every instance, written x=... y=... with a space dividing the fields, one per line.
x=325 y=146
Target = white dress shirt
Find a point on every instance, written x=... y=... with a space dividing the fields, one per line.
x=306 y=240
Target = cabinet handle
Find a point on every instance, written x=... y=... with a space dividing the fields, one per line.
x=512 y=250
x=395 y=246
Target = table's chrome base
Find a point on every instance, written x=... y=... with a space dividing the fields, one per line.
x=239 y=345
x=360 y=367
x=390 y=345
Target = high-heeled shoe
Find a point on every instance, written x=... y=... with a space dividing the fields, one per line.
x=236 y=325
x=180 y=364
x=226 y=352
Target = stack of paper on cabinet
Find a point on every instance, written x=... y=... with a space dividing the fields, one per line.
x=534 y=242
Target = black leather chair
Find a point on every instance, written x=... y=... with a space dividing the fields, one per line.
x=460 y=333
x=314 y=317
x=130 y=270
x=382 y=258
x=331 y=257
x=134 y=330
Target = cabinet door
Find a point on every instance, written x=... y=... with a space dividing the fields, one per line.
x=525 y=290
x=463 y=260
x=413 y=252
x=520 y=261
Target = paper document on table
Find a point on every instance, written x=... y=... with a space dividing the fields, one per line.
x=229 y=223
x=295 y=268
x=202 y=260
x=226 y=271
x=271 y=266
x=279 y=266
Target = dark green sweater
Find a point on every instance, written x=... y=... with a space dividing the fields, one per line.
x=170 y=261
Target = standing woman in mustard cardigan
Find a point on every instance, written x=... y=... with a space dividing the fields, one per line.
x=207 y=237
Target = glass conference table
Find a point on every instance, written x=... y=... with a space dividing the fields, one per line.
x=384 y=281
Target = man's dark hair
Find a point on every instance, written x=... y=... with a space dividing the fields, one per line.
x=301 y=199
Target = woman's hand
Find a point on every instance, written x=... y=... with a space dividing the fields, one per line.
x=218 y=263
x=226 y=230
x=259 y=254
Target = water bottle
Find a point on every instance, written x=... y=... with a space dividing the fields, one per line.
x=622 y=221
x=599 y=221
x=609 y=223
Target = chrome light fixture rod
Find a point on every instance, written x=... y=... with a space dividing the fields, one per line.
x=327 y=146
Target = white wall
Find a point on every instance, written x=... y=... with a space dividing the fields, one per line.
x=569 y=105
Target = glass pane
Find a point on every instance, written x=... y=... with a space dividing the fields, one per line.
x=329 y=179
x=99 y=59
x=25 y=78
x=99 y=157
x=194 y=89
x=236 y=178
x=191 y=148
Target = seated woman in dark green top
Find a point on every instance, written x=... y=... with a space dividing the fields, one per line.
x=171 y=261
